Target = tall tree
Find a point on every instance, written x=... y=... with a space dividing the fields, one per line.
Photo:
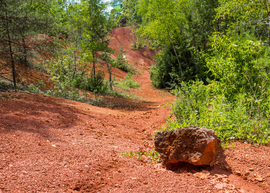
x=94 y=30
x=181 y=29
x=133 y=20
x=19 y=22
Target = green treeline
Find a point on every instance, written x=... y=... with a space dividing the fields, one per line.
x=214 y=55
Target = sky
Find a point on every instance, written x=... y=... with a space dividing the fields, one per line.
x=109 y=8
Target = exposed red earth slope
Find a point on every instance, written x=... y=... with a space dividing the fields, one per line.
x=49 y=144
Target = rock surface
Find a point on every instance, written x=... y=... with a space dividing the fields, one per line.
x=194 y=145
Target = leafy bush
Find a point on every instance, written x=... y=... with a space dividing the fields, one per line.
x=5 y=86
x=121 y=62
x=128 y=82
x=166 y=73
x=207 y=106
x=95 y=84
x=72 y=94
x=66 y=79
x=241 y=64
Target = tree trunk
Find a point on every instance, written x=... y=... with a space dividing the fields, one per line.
x=109 y=70
x=11 y=54
x=94 y=66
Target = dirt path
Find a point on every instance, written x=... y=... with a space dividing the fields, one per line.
x=49 y=144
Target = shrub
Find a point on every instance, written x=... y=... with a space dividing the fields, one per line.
x=241 y=63
x=166 y=73
x=95 y=84
x=66 y=79
x=121 y=62
x=207 y=106
x=128 y=82
x=5 y=86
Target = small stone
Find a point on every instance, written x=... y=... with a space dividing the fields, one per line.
x=238 y=173
x=247 y=173
x=251 y=169
x=53 y=145
x=259 y=179
x=219 y=186
x=225 y=180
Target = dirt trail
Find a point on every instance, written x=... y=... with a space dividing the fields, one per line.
x=49 y=144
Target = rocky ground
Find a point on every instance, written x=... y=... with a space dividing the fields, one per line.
x=49 y=144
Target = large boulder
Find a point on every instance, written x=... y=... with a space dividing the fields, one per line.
x=194 y=145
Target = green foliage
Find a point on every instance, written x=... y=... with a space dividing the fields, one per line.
x=207 y=106
x=97 y=101
x=128 y=82
x=166 y=72
x=241 y=64
x=125 y=95
x=243 y=15
x=65 y=78
x=121 y=62
x=115 y=18
x=36 y=88
x=181 y=29
x=223 y=41
x=95 y=84
x=63 y=92
x=19 y=21
x=5 y=86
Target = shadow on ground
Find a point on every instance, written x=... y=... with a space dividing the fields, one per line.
x=35 y=116
x=220 y=166
x=128 y=104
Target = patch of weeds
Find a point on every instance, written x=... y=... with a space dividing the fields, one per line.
x=125 y=95
x=96 y=84
x=5 y=86
x=227 y=144
x=149 y=156
x=136 y=46
x=121 y=62
x=35 y=88
x=128 y=82
x=72 y=94
x=97 y=101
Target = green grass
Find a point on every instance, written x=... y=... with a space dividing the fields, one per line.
x=128 y=82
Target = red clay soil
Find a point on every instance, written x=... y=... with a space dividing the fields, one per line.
x=50 y=144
